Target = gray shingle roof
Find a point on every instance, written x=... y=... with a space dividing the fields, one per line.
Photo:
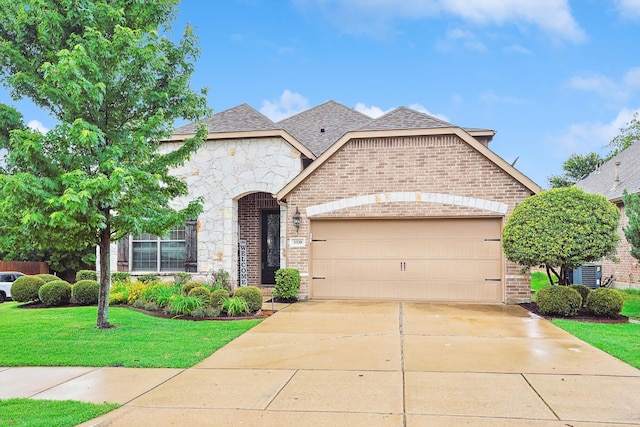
x=237 y=119
x=602 y=181
x=405 y=118
x=319 y=127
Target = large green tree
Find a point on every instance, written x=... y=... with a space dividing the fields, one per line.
x=632 y=231
x=562 y=229
x=116 y=85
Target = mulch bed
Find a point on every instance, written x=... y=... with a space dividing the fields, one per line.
x=583 y=315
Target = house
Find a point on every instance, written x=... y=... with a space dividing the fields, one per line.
x=611 y=179
x=405 y=206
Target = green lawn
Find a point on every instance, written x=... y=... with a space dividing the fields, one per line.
x=49 y=413
x=619 y=340
x=538 y=280
x=67 y=337
x=631 y=306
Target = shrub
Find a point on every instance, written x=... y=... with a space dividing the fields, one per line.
x=120 y=276
x=135 y=291
x=221 y=279
x=86 y=275
x=183 y=305
x=48 y=277
x=217 y=297
x=146 y=278
x=235 y=306
x=25 y=288
x=181 y=278
x=55 y=293
x=252 y=295
x=118 y=293
x=583 y=291
x=190 y=285
x=560 y=300
x=605 y=302
x=85 y=292
x=200 y=292
x=159 y=293
x=150 y=306
x=287 y=284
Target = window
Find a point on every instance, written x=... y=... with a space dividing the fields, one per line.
x=153 y=253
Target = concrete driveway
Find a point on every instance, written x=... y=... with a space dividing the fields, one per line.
x=384 y=364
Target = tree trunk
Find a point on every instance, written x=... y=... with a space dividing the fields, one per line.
x=105 y=278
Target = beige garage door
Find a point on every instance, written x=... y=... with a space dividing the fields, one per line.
x=431 y=260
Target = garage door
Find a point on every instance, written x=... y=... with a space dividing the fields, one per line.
x=431 y=260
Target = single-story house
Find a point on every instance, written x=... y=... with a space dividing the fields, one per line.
x=611 y=179
x=406 y=206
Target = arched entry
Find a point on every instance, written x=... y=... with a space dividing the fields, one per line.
x=259 y=239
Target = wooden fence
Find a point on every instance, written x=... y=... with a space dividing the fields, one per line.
x=26 y=267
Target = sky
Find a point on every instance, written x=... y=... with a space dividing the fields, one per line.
x=552 y=77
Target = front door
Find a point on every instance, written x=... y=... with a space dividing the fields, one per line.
x=270 y=246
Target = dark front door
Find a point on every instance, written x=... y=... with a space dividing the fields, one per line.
x=270 y=246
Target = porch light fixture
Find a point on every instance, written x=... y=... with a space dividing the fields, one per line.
x=296 y=220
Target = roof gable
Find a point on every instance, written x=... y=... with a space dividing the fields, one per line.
x=242 y=118
x=405 y=118
x=603 y=180
x=319 y=127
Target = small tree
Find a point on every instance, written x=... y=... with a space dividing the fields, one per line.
x=562 y=229
x=632 y=231
x=575 y=168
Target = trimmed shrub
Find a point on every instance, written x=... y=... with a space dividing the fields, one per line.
x=200 y=292
x=55 y=293
x=86 y=275
x=85 y=292
x=217 y=298
x=560 y=300
x=583 y=291
x=48 y=277
x=287 y=284
x=605 y=302
x=25 y=288
x=120 y=276
x=252 y=295
x=186 y=288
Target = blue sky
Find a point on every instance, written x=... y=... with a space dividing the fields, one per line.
x=552 y=77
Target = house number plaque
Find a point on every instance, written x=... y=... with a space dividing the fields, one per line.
x=297 y=242
x=244 y=279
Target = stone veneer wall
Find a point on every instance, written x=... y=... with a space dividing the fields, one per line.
x=627 y=271
x=222 y=172
x=417 y=177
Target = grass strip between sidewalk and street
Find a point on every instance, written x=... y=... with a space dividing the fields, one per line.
x=67 y=337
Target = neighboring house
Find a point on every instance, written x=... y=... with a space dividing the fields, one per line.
x=611 y=179
x=405 y=206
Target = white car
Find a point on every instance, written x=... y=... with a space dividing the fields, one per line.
x=6 y=280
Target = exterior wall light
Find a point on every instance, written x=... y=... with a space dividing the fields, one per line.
x=296 y=220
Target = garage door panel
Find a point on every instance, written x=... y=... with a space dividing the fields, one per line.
x=433 y=259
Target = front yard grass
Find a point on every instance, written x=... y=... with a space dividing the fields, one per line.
x=49 y=413
x=67 y=337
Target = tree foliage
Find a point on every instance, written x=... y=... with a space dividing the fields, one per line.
x=632 y=231
x=562 y=229
x=116 y=85
x=627 y=136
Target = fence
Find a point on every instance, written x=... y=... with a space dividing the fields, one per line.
x=26 y=267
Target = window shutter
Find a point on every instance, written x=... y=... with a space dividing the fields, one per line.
x=191 y=246
x=123 y=254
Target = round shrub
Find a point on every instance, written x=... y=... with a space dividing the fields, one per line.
x=218 y=297
x=583 y=291
x=605 y=302
x=287 y=284
x=200 y=292
x=252 y=295
x=86 y=275
x=48 y=277
x=25 y=288
x=560 y=300
x=85 y=292
x=186 y=288
x=55 y=293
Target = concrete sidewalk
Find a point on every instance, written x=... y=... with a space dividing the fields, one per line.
x=370 y=364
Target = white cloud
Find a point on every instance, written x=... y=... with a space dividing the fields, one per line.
x=632 y=78
x=289 y=104
x=464 y=37
x=606 y=87
x=374 y=111
x=517 y=49
x=629 y=9
x=372 y=16
x=590 y=136
x=37 y=126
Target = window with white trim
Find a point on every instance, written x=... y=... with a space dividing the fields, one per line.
x=153 y=253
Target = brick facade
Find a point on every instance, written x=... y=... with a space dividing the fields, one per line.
x=443 y=165
x=626 y=271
